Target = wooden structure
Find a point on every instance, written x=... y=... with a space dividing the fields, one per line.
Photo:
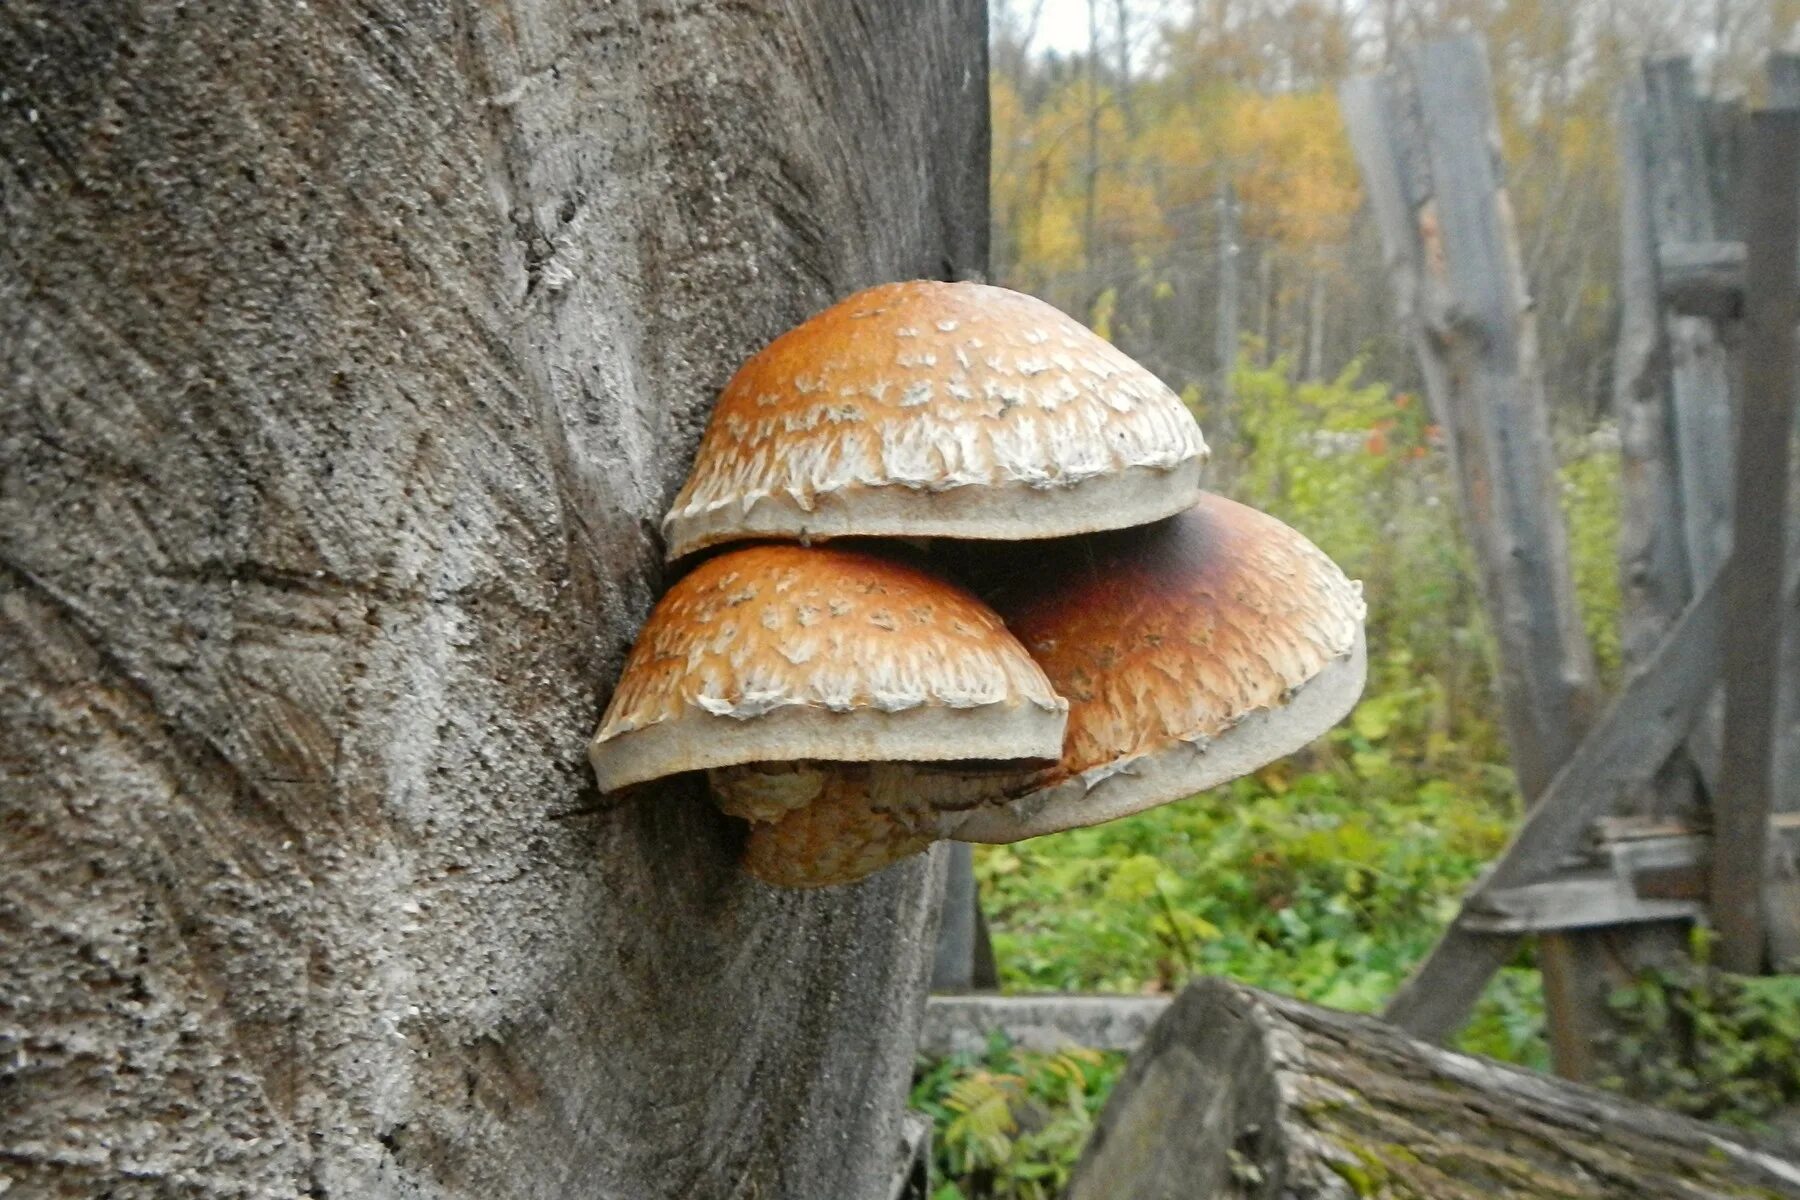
x=963 y=959
x=1239 y=1093
x=1600 y=892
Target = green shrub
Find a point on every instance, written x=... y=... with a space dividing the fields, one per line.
x=1710 y=1044
x=1010 y=1123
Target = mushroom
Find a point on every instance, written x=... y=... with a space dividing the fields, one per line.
x=1192 y=651
x=927 y=409
x=844 y=821
x=772 y=666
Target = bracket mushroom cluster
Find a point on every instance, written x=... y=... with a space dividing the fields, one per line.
x=1084 y=633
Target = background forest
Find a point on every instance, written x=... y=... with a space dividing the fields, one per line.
x=1183 y=183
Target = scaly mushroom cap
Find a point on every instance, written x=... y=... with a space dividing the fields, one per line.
x=781 y=653
x=1192 y=651
x=928 y=409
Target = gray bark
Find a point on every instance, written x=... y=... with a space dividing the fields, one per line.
x=348 y=354
x=1238 y=1093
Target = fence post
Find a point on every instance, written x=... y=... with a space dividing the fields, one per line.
x=1783 y=894
x=1429 y=152
x=964 y=958
x=1756 y=572
x=1655 y=579
x=1688 y=211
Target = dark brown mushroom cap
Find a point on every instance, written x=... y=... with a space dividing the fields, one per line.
x=927 y=409
x=1191 y=651
x=781 y=653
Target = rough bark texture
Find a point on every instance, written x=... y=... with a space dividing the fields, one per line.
x=348 y=352
x=1238 y=1093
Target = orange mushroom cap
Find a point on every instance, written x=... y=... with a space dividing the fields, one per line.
x=1192 y=651
x=781 y=653
x=928 y=409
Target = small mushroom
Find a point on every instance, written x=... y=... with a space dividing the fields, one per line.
x=1192 y=651
x=928 y=409
x=772 y=666
x=844 y=820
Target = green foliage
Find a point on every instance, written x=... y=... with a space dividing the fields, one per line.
x=1590 y=496
x=1362 y=472
x=1706 y=1043
x=1010 y=1123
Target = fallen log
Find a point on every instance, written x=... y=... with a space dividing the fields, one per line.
x=1239 y=1093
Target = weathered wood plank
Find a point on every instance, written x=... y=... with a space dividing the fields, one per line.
x=1427 y=144
x=1595 y=899
x=912 y=1178
x=1245 y=1095
x=1686 y=210
x=1631 y=880
x=1481 y=328
x=964 y=957
x=1454 y=267
x=1649 y=718
x=1756 y=573
x=961 y=1024
x=1783 y=895
x=1654 y=576
x=1703 y=279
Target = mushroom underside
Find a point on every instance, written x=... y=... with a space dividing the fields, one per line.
x=1179 y=769
x=829 y=843
x=700 y=740
x=1013 y=510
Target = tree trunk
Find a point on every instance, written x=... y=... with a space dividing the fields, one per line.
x=1238 y=1093
x=349 y=355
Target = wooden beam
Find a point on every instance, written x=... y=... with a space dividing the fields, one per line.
x=1703 y=279
x=912 y=1175
x=1782 y=896
x=1593 y=900
x=1686 y=209
x=1655 y=580
x=1427 y=143
x=1756 y=573
x=1038 y=1021
x=1642 y=873
x=1453 y=262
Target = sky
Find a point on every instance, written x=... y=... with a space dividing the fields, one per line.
x=1062 y=26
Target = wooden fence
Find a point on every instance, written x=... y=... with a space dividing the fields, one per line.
x=1669 y=804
